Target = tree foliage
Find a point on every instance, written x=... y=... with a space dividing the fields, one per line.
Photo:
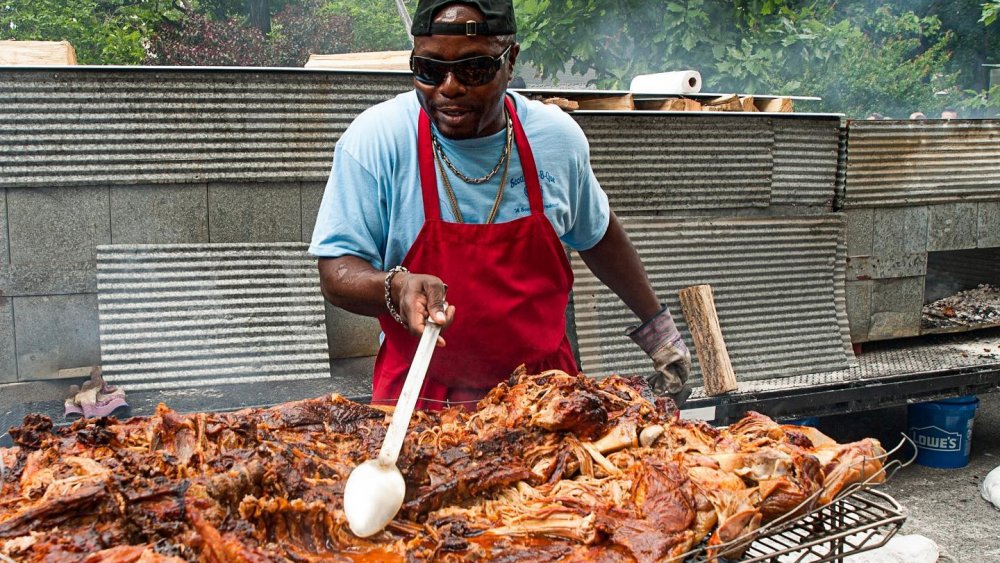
x=376 y=24
x=990 y=12
x=860 y=56
x=101 y=31
x=297 y=30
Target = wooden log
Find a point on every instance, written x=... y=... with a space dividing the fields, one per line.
x=703 y=322
x=605 y=102
x=562 y=103
x=37 y=53
x=748 y=103
x=690 y=105
x=375 y=60
x=669 y=104
x=729 y=102
x=775 y=105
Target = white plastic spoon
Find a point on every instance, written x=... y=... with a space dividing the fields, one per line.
x=375 y=489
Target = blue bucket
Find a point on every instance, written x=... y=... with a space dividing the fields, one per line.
x=942 y=431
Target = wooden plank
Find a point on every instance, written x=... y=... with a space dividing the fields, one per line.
x=703 y=322
x=562 y=103
x=729 y=102
x=375 y=60
x=605 y=102
x=775 y=105
x=37 y=53
x=669 y=104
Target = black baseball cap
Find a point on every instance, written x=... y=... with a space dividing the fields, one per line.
x=499 y=18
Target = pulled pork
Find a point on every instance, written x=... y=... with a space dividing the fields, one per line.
x=550 y=467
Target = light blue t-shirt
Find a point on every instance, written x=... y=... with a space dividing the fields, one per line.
x=373 y=209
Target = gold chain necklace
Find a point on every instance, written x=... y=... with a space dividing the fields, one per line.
x=504 y=155
x=453 y=201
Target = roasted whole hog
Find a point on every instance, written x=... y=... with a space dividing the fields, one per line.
x=550 y=467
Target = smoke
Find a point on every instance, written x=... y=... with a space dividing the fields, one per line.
x=950 y=272
x=940 y=284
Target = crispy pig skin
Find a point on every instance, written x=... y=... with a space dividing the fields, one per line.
x=549 y=467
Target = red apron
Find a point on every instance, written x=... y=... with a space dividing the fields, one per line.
x=509 y=283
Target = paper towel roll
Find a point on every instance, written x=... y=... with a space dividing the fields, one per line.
x=678 y=82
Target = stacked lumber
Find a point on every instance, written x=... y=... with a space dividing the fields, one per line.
x=37 y=53
x=613 y=101
x=375 y=60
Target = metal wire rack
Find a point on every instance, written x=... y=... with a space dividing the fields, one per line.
x=859 y=519
x=862 y=520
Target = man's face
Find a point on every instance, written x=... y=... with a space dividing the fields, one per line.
x=461 y=111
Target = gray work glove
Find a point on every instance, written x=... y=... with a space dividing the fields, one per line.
x=659 y=339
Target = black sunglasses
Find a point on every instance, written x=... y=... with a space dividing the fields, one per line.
x=474 y=71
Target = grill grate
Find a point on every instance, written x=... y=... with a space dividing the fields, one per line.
x=924 y=355
x=859 y=519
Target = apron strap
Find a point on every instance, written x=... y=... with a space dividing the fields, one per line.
x=532 y=184
x=428 y=176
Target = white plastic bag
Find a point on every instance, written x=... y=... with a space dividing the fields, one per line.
x=913 y=548
x=990 y=487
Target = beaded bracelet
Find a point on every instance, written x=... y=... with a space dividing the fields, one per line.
x=388 y=294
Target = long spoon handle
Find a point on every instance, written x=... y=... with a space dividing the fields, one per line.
x=408 y=396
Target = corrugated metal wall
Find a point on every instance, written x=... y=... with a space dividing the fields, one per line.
x=186 y=315
x=239 y=156
x=805 y=162
x=707 y=162
x=777 y=282
x=679 y=163
x=778 y=278
x=95 y=156
x=920 y=162
x=65 y=128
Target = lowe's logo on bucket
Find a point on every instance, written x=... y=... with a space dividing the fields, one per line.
x=934 y=438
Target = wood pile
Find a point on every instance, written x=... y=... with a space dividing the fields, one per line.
x=627 y=102
x=34 y=53
x=376 y=60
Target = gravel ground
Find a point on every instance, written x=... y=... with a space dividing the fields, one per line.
x=943 y=504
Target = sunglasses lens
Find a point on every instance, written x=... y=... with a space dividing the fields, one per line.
x=428 y=71
x=476 y=71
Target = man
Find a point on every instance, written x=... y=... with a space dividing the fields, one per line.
x=463 y=189
x=949 y=113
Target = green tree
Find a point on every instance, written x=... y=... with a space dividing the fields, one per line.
x=858 y=57
x=621 y=38
x=990 y=12
x=298 y=30
x=893 y=64
x=376 y=24
x=101 y=31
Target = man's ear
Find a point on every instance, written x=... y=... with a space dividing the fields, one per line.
x=512 y=57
